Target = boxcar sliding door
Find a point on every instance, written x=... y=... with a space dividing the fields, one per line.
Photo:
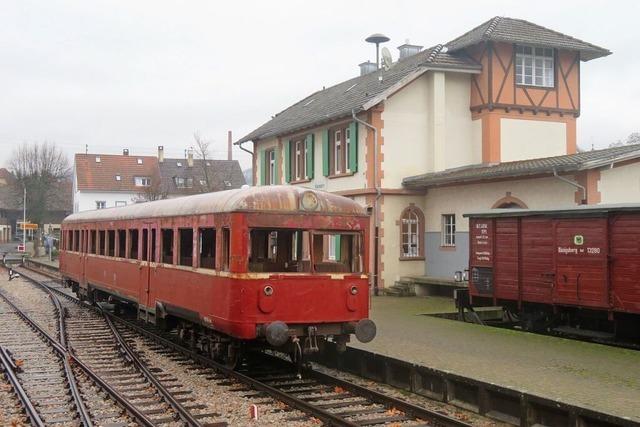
x=581 y=262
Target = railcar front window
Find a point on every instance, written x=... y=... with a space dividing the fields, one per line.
x=186 y=246
x=279 y=250
x=337 y=253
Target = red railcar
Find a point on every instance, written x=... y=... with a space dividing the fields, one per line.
x=278 y=264
x=580 y=265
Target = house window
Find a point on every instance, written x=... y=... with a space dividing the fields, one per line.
x=227 y=183
x=179 y=164
x=411 y=232
x=118 y=178
x=98 y=159
x=448 y=230
x=534 y=66
x=203 y=182
x=142 y=181
x=101 y=204
x=270 y=167
x=338 y=152
x=120 y=203
x=139 y=161
x=298 y=160
x=188 y=182
x=179 y=181
x=340 y=141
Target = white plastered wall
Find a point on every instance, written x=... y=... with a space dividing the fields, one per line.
x=463 y=143
x=530 y=139
x=392 y=207
x=535 y=193
x=620 y=184
x=86 y=200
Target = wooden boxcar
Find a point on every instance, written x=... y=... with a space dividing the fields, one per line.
x=578 y=265
x=280 y=264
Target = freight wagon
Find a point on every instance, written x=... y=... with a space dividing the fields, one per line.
x=578 y=267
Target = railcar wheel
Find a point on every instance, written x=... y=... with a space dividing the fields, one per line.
x=234 y=355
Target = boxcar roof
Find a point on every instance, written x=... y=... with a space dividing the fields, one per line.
x=563 y=211
x=276 y=198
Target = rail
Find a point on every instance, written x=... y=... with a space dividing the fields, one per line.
x=10 y=369
x=492 y=400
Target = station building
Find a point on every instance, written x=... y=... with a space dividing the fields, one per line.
x=487 y=120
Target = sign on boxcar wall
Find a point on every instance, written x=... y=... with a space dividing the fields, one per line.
x=482 y=242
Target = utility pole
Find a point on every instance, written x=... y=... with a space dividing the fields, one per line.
x=24 y=220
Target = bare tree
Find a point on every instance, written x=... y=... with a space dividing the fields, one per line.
x=202 y=153
x=156 y=190
x=41 y=168
x=633 y=138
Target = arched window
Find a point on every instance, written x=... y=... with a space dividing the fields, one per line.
x=411 y=233
x=509 y=202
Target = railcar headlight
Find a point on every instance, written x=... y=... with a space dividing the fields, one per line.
x=268 y=290
x=354 y=290
x=309 y=201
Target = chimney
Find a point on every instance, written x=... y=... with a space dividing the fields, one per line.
x=367 y=67
x=408 y=49
x=190 y=157
x=229 y=146
x=125 y=152
x=160 y=153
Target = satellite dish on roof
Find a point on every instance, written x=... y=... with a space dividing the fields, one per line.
x=387 y=61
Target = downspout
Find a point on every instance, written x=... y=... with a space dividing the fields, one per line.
x=575 y=184
x=244 y=149
x=376 y=216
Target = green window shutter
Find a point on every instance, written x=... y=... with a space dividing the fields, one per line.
x=309 y=146
x=325 y=152
x=263 y=167
x=287 y=161
x=353 y=147
x=338 y=247
x=276 y=164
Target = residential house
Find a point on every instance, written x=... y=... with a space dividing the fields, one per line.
x=486 y=120
x=112 y=180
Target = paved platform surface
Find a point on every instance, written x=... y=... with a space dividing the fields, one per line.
x=603 y=378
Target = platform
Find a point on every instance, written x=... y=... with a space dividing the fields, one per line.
x=602 y=378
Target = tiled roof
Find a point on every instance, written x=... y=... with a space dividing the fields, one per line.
x=338 y=101
x=512 y=30
x=223 y=175
x=101 y=176
x=522 y=168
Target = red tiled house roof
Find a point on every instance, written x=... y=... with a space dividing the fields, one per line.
x=101 y=175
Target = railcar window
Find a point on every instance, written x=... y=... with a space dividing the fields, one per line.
x=185 y=236
x=122 y=243
x=226 y=249
x=207 y=248
x=92 y=238
x=133 y=244
x=145 y=243
x=102 y=243
x=337 y=253
x=153 y=245
x=281 y=250
x=111 y=245
x=167 y=246
x=76 y=240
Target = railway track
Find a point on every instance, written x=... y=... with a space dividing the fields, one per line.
x=326 y=398
x=139 y=395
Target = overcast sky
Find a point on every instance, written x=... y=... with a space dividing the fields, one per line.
x=138 y=74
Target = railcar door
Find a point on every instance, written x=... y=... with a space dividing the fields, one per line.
x=581 y=262
x=147 y=261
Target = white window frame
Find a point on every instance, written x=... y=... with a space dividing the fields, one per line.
x=101 y=204
x=448 y=230
x=272 y=167
x=142 y=181
x=179 y=182
x=337 y=151
x=411 y=249
x=535 y=66
x=120 y=203
x=347 y=147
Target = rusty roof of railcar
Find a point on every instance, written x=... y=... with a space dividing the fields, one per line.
x=560 y=211
x=276 y=198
